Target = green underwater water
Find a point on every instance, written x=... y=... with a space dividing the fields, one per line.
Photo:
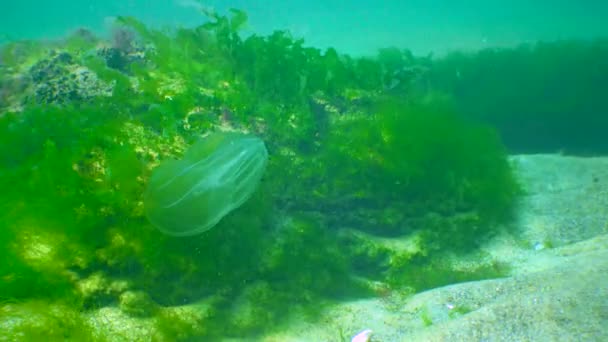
x=360 y=150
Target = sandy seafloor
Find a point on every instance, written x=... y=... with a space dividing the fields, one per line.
x=557 y=290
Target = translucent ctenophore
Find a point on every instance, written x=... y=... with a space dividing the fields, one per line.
x=216 y=175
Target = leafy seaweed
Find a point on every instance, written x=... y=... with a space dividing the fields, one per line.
x=355 y=144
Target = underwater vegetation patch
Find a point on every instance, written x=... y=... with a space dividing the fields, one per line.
x=306 y=163
x=440 y=172
x=541 y=97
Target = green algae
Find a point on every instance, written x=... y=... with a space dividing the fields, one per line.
x=349 y=151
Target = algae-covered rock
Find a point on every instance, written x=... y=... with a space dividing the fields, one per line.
x=186 y=322
x=43 y=321
x=98 y=289
x=60 y=79
x=254 y=309
x=111 y=321
x=137 y=303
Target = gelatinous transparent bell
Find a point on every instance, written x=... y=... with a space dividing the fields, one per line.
x=216 y=175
